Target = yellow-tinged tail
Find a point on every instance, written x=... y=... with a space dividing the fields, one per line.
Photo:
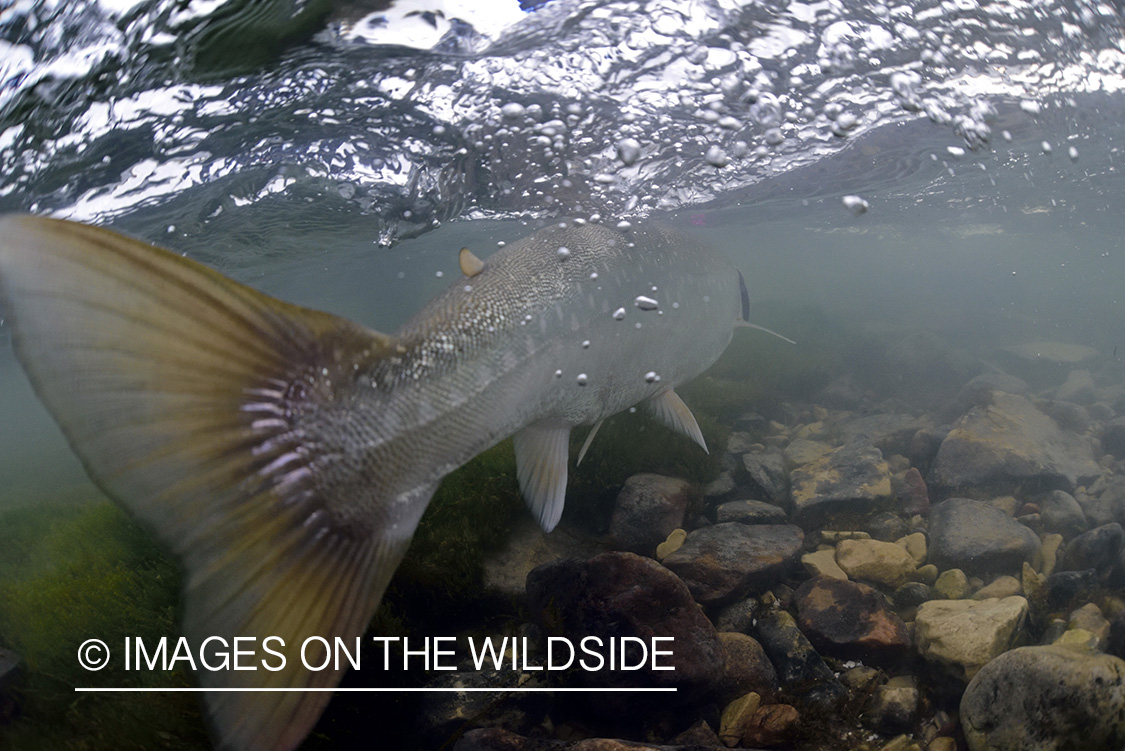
x=183 y=394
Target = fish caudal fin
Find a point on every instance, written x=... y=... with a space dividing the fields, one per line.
x=188 y=397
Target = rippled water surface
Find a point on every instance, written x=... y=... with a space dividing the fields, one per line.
x=955 y=168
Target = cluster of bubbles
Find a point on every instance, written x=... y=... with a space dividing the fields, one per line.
x=581 y=107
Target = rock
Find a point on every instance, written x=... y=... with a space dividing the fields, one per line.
x=911 y=595
x=738 y=616
x=1113 y=437
x=699 y=734
x=1106 y=507
x=745 y=667
x=1070 y=416
x=1048 y=552
x=823 y=563
x=1062 y=514
x=1010 y=446
x=843 y=393
x=927 y=574
x=910 y=492
x=443 y=713
x=978 y=538
x=750 y=512
x=893 y=707
x=1096 y=549
x=850 y=621
x=648 y=508
x=736 y=717
x=999 y=588
x=802 y=451
x=915 y=544
x=1065 y=587
x=961 y=636
x=903 y=743
x=852 y=478
x=978 y=391
x=499 y=739
x=891 y=434
x=505 y=572
x=9 y=675
x=800 y=668
x=765 y=472
x=720 y=488
x=952 y=585
x=771 y=725
x=726 y=561
x=1078 y=388
x=674 y=542
x=1046 y=698
x=886 y=526
x=625 y=595
x=883 y=563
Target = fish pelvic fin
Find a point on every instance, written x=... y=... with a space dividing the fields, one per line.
x=187 y=397
x=670 y=409
x=541 y=468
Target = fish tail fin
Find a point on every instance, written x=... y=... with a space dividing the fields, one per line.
x=195 y=402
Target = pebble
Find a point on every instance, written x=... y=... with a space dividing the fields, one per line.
x=823 y=563
x=1000 y=587
x=750 y=512
x=671 y=544
x=952 y=585
x=883 y=563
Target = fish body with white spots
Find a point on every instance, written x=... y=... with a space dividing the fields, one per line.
x=286 y=455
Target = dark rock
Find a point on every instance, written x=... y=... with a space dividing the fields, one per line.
x=771 y=725
x=910 y=492
x=738 y=616
x=444 y=713
x=978 y=391
x=727 y=561
x=498 y=739
x=1113 y=437
x=1096 y=549
x=750 y=512
x=505 y=571
x=891 y=434
x=893 y=708
x=745 y=668
x=978 y=538
x=648 y=508
x=852 y=478
x=617 y=595
x=924 y=446
x=1010 y=447
x=721 y=488
x=843 y=393
x=911 y=595
x=699 y=734
x=1060 y=513
x=800 y=668
x=766 y=473
x=886 y=527
x=1115 y=645
x=1046 y=698
x=850 y=621
x=1066 y=587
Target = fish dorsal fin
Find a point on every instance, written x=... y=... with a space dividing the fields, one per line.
x=541 y=458
x=191 y=400
x=470 y=264
x=670 y=409
x=589 y=439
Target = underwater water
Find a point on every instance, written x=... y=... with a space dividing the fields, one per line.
x=918 y=194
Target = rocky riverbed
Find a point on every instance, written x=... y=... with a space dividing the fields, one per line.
x=857 y=577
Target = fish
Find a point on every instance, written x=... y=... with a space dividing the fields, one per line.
x=285 y=455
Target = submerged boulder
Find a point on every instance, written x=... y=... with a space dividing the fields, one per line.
x=726 y=561
x=648 y=508
x=850 y=620
x=978 y=538
x=1008 y=446
x=852 y=478
x=962 y=636
x=1047 y=698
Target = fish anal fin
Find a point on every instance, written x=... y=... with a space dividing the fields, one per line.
x=541 y=467
x=670 y=409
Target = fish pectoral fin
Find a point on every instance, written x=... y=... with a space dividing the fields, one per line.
x=670 y=409
x=747 y=325
x=589 y=439
x=541 y=466
x=192 y=401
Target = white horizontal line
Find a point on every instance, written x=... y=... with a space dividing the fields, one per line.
x=474 y=689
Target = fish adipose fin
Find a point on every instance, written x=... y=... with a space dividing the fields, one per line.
x=187 y=397
x=541 y=459
x=670 y=409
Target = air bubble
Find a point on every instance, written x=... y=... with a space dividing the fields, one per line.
x=855 y=204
